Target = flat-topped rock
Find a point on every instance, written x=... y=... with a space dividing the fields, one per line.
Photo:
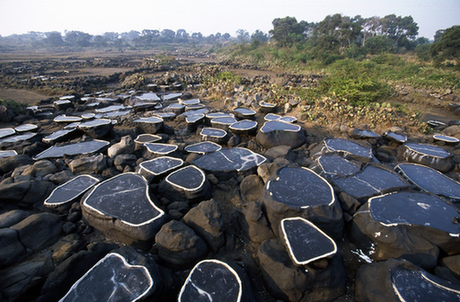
x=151 y=124
x=112 y=279
x=194 y=120
x=332 y=165
x=171 y=96
x=348 y=148
x=96 y=128
x=149 y=96
x=147 y=138
x=176 y=108
x=72 y=149
x=113 y=108
x=166 y=116
x=68 y=192
x=213 y=279
x=430 y=180
x=62 y=104
x=306 y=242
x=445 y=138
x=223 y=122
x=26 y=128
x=405 y=208
x=364 y=134
x=244 y=127
x=267 y=107
x=213 y=115
x=190 y=102
x=4 y=132
x=244 y=113
x=187 y=183
x=58 y=135
x=121 y=208
x=213 y=135
x=67 y=119
x=159 y=149
x=396 y=137
x=276 y=133
x=401 y=280
x=194 y=107
x=7 y=153
x=203 y=148
x=18 y=137
x=410 y=225
x=369 y=182
x=157 y=167
x=230 y=160
x=292 y=192
x=429 y=155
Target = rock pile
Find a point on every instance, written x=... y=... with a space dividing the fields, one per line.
x=167 y=202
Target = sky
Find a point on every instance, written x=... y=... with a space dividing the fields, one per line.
x=208 y=16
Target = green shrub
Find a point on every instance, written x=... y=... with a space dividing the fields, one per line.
x=15 y=106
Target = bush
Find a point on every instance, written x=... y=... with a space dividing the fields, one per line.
x=15 y=106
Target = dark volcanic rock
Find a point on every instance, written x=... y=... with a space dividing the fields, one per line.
x=11 y=249
x=8 y=164
x=400 y=280
x=121 y=208
x=429 y=155
x=413 y=226
x=88 y=164
x=287 y=281
x=292 y=192
x=179 y=245
x=207 y=222
x=275 y=133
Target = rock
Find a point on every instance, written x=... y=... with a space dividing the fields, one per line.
x=6 y=114
x=39 y=231
x=66 y=273
x=40 y=168
x=122 y=208
x=293 y=283
x=280 y=151
x=23 y=282
x=66 y=247
x=400 y=280
x=178 y=245
x=258 y=227
x=275 y=133
x=453 y=264
x=10 y=218
x=96 y=128
x=207 y=222
x=26 y=192
x=61 y=177
x=251 y=188
x=8 y=164
x=88 y=164
x=413 y=226
x=125 y=146
x=123 y=160
x=11 y=249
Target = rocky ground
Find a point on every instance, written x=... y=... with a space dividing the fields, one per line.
x=44 y=250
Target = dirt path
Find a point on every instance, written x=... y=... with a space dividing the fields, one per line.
x=28 y=97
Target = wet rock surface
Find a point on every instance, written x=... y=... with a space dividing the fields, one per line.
x=155 y=186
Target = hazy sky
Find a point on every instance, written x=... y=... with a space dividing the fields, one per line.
x=208 y=16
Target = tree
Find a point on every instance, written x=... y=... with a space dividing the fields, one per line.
x=197 y=36
x=400 y=29
x=447 y=47
x=54 y=39
x=100 y=41
x=243 y=35
x=181 y=33
x=78 y=38
x=226 y=36
x=111 y=36
x=287 y=31
x=259 y=36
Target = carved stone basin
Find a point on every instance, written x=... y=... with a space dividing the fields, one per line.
x=7 y=153
x=244 y=113
x=149 y=96
x=17 y=137
x=276 y=133
x=348 y=147
x=26 y=128
x=212 y=280
x=396 y=137
x=171 y=96
x=244 y=127
x=4 y=132
x=446 y=139
x=155 y=149
x=113 y=108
